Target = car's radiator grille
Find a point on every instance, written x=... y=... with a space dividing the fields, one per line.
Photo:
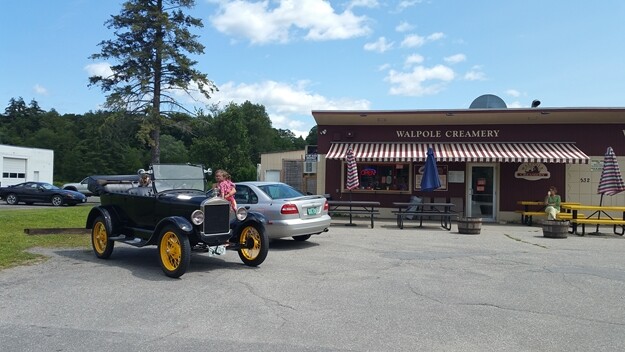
x=216 y=219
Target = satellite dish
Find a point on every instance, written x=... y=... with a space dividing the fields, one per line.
x=488 y=101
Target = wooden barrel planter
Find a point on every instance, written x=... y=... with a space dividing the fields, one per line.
x=555 y=229
x=470 y=226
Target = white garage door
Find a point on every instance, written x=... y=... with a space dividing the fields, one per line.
x=272 y=175
x=13 y=171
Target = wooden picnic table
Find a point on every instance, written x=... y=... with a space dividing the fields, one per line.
x=354 y=207
x=597 y=210
x=440 y=210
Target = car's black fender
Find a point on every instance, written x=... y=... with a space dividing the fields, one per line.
x=179 y=222
x=252 y=217
x=105 y=213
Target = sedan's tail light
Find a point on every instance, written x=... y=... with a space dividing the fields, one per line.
x=288 y=209
x=326 y=206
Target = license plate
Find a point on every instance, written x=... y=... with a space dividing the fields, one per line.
x=311 y=211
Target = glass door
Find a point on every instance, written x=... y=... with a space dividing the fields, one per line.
x=481 y=186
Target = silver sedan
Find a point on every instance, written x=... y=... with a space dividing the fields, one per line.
x=289 y=212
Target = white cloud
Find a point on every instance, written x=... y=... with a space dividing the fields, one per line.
x=260 y=24
x=513 y=93
x=421 y=81
x=289 y=105
x=415 y=40
x=413 y=59
x=436 y=36
x=363 y=3
x=475 y=74
x=102 y=69
x=454 y=59
x=379 y=45
x=404 y=27
x=39 y=89
x=412 y=40
x=404 y=4
x=516 y=104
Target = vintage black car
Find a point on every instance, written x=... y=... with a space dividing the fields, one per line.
x=175 y=214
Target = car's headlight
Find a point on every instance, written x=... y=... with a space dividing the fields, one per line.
x=197 y=217
x=241 y=214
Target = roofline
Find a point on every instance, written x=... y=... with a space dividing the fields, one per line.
x=482 y=111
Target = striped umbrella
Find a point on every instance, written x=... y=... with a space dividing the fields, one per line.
x=352 y=170
x=611 y=181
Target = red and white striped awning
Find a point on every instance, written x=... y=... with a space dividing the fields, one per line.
x=463 y=152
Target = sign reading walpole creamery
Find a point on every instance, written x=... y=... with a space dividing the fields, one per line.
x=448 y=134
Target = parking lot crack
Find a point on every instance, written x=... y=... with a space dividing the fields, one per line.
x=522 y=241
x=250 y=288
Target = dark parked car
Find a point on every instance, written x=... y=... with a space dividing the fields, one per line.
x=40 y=192
x=289 y=212
x=174 y=213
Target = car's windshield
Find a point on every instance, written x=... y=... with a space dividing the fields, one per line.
x=48 y=186
x=280 y=191
x=170 y=176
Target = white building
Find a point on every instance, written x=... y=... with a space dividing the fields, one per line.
x=20 y=164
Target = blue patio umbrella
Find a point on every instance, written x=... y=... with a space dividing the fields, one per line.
x=430 y=180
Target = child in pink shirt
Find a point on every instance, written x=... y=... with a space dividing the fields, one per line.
x=226 y=187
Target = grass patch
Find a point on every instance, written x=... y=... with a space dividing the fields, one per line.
x=15 y=243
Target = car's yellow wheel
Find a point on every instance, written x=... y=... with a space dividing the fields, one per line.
x=174 y=251
x=254 y=245
x=102 y=245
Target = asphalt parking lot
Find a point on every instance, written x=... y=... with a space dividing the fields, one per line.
x=351 y=289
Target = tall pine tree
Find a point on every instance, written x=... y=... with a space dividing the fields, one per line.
x=151 y=38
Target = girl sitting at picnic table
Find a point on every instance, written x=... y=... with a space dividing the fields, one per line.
x=552 y=203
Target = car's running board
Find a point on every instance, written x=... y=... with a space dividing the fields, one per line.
x=133 y=241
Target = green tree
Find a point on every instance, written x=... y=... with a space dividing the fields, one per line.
x=151 y=37
x=173 y=151
x=258 y=125
x=285 y=140
x=311 y=139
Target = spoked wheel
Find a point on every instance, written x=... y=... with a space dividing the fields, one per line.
x=174 y=251
x=254 y=245
x=57 y=200
x=102 y=245
x=11 y=199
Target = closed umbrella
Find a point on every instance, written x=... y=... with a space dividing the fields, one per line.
x=352 y=170
x=352 y=177
x=611 y=181
x=430 y=180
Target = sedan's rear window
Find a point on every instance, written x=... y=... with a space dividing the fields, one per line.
x=280 y=191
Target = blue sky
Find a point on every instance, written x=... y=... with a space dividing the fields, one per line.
x=302 y=55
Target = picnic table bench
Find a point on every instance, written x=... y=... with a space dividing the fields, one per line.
x=578 y=219
x=418 y=211
x=527 y=215
x=354 y=208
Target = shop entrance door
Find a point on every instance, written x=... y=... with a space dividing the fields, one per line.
x=481 y=186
